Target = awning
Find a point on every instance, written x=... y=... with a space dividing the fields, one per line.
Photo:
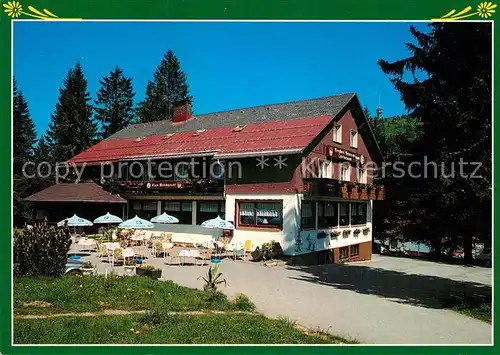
x=84 y=192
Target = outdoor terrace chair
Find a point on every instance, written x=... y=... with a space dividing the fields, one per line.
x=205 y=255
x=172 y=254
x=117 y=256
x=247 y=249
x=103 y=252
x=158 y=248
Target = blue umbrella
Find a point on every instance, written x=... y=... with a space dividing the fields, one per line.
x=74 y=222
x=108 y=218
x=164 y=218
x=136 y=223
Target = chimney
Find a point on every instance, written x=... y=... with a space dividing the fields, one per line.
x=182 y=110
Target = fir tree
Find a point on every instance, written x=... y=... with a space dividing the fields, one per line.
x=72 y=128
x=24 y=137
x=169 y=85
x=115 y=106
x=450 y=95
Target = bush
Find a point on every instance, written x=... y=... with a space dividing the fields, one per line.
x=41 y=250
x=159 y=317
x=269 y=250
x=242 y=303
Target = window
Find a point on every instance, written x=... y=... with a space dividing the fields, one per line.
x=355 y=250
x=344 y=214
x=181 y=210
x=362 y=174
x=337 y=133
x=260 y=214
x=354 y=139
x=327 y=214
x=210 y=210
x=308 y=214
x=358 y=213
x=181 y=171
x=344 y=253
x=326 y=169
x=345 y=172
x=143 y=209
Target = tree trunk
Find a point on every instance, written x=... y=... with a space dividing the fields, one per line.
x=468 y=247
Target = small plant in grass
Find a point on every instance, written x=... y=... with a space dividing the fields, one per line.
x=290 y=324
x=242 y=303
x=159 y=317
x=213 y=278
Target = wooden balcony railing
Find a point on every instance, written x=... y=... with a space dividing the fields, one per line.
x=320 y=187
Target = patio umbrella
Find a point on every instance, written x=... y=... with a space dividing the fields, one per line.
x=165 y=218
x=108 y=219
x=217 y=223
x=74 y=222
x=136 y=223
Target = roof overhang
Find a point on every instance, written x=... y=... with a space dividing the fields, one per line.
x=257 y=153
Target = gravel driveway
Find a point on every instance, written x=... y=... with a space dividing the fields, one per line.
x=373 y=302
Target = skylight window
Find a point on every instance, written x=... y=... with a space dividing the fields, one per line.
x=239 y=128
x=168 y=135
x=198 y=132
x=138 y=139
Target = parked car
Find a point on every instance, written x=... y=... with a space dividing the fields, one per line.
x=485 y=257
x=73 y=267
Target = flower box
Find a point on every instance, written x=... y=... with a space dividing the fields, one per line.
x=381 y=193
x=346 y=233
x=366 y=230
x=129 y=270
x=87 y=271
x=153 y=273
x=356 y=232
x=354 y=192
x=344 y=191
x=372 y=193
x=363 y=193
x=334 y=234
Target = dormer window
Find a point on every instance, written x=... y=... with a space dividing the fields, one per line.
x=168 y=135
x=138 y=139
x=354 y=139
x=337 y=133
x=198 y=132
x=239 y=128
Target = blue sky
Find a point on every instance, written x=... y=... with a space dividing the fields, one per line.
x=229 y=65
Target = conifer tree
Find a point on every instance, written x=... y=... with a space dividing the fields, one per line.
x=169 y=85
x=114 y=105
x=72 y=129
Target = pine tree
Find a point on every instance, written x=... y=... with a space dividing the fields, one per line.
x=72 y=128
x=24 y=131
x=24 y=139
x=169 y=85
x=115 y=106
x=450 y=95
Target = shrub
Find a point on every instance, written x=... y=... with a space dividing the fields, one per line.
x=87 y=265
x=41 y=250
x=159 y=317
x=269 y=250
x=242 y=303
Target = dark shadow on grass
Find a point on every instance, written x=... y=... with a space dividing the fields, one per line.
x=419 y=290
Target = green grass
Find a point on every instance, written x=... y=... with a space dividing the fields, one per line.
x=92 y=294
x=178 y=329
x=472 y=306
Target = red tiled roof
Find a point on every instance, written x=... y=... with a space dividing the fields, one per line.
x=277 y=136
x=84 y=192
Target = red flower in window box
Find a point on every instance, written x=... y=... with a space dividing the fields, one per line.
x=364 y=192
x=354 y=192
x=372 y=193
x=345 y=191
x=381 y=193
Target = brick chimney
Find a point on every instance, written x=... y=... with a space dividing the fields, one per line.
x=182 y=110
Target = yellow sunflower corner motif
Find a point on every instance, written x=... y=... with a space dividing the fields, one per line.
x=14 y=9
x=485 y=10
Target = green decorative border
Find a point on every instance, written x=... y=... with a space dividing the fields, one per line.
x=45 y=10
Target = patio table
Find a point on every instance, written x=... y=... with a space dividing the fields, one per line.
x=128 y=253
x=112 y=245
x=189 y=254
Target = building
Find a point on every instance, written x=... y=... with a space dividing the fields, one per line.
x=299 y=173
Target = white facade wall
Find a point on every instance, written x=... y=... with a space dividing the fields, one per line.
x=291 y=220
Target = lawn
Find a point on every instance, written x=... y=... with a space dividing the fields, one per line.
x=236 y=323
x=92 y=294
x=173 y=329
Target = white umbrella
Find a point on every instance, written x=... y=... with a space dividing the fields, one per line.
x=217 y=223
x=74 y=222
x=165 y=218
x=136 y=223
x=108 y=218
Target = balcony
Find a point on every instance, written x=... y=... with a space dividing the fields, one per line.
x=320 y=187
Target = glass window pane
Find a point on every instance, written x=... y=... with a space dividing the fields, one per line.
x=344 y=213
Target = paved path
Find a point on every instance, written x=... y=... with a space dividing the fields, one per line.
x=360 y=302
